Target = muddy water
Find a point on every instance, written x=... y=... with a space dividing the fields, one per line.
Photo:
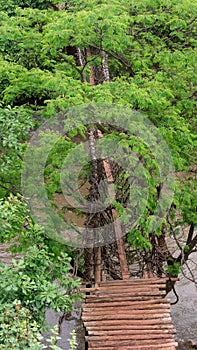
x=73 y=322
x=184 y=313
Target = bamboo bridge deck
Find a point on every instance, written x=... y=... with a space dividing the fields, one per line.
x=128 y=314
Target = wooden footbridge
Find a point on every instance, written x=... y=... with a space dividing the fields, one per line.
x=128 y=314
x=125 y=314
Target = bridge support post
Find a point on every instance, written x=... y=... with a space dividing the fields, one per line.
x=98 y=266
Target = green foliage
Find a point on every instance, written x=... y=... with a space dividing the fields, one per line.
x=186 y=199
x=73 y=341
x=9 y=6
x=54 y=164
x=18 y=330
x=174 y=269
x=36 y=86
x=138 y=241
x=8 y=71
x=15 y=125
x=151 y=52
x=35 y=283
x=186 y=248
x=13 y=217
x=36 y=279
x=40 y=280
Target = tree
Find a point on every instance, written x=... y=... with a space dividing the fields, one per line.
x=148 y=51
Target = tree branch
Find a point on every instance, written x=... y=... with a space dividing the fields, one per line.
x=183 y=256
x=8 y=189
x=190 y=234
x=114 y=55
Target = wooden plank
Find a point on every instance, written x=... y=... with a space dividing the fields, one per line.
x=129 y=290
x=126 y=316
x=127 y=294
x=134 y=303
x=166 y=320
x=120 y=317
x=133 y=292
x=131 y=284
x=131 y=327
x=148 y=347
x=164 y=346
x=141 y=314
x=130 y=337
x=145 y=308
x=136 y=348
x=110 y=343
x=118 y=298
x=124 y=289
x=151 y=280
x=131 y=332
x=108 y=306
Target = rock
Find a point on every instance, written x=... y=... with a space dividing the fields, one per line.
x=192 y=343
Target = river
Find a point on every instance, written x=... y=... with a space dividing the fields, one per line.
x=184 y=313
